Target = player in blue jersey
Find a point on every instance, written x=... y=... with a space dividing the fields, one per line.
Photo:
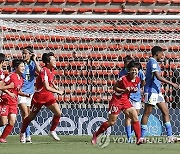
x=153 y=95
x=135 y=98
x=24 y=102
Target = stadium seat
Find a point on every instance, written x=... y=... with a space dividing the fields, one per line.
x=118 y=1
x=129 y=10
x=88 y=1
x=144 y=10
x=100 y=10
x=43 y=1
x=29 y=1
x=73 y=1
x=133 y=1
x=58 y=1
x=175 y=1
x=158 y=10
x=9 y=9
x=175 y=11
x=103 y=1
x=164 y=1
x=149 y=1
x=24 y=9
x=54 y=10
x=82 y=10
x=114 y=10
x=39 y=9
x=13 y=1
x=69 y=10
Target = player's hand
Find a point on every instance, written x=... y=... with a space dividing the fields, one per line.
x=34 y=57
x=134 y=89
x=176 y=85
x=128 y=89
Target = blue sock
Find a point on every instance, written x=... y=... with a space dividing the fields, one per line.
x=2 y=129
x=27 y=131
x=168 y=128
x=128 y=131
x=143 y=130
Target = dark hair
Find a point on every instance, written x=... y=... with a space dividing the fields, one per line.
x=29 y=48
x=133 y=64
x=46 y=57
x=155 y=50
x=128 y=58
x=16 y=62
x=2 y=57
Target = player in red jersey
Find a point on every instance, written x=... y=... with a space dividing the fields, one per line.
x=8 y=104
x=43 y=95
x=120 y=102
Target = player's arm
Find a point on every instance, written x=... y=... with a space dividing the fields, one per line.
x=3 y=85
x=117 y=88
x=160 y=78
x=23 y=94
x=10 y=93
x=38 y=67
x=142 y=78
x=51 y=89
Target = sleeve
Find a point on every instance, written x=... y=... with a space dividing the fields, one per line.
x=2 y=76
x=141 y=75
x=8 y=79
x=121 y=82
x=154 y=66
x=120 y=74
x=44 y=75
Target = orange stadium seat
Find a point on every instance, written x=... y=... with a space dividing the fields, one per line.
x=149 y=1
x=175 y=1
x=13 y=1
x=129 y=10
x=133 y=1
x=54 y=10
x=73 y=1
x=175 y=11
x=88 y=1
x=9 y=9
x=82 y=10
x=39 y=9
x=43 y=1
x=114 y=10
x=164 y=1
x=29 y=1
x=69 y=10
x=144 y=10
x=100 y=10
x=158 y=10
x=24 y=9
x=103 y=1
x=58 y=1
x=118 y=1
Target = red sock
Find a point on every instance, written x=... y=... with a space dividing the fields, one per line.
x=102 y=128
x=55 y=122
x=7 y=131
x=137 y=129
x=25 y=124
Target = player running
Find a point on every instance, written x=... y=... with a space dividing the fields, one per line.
x=43 y=95
x=120 y=101
x=8 y=104
x=153 y=95
x=135 y=98
x=31 y=67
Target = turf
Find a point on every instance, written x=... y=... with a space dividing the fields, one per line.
x=81 y=145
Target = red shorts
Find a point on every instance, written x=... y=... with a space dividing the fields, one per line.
x=6 y=109
x=116 y=105
x=36 y=106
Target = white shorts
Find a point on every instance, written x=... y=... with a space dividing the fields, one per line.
x=154 y=98
x=26 y=100
x=136 y=105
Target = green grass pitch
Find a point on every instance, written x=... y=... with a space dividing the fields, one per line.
x=81 y=145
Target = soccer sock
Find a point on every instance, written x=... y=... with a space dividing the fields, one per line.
x=7 y=131
x=25 y=124
x=102 y=128
x=28 y=131
x=1 y=129
x=168 y=128
x=55 y=122
x=137 y=129
x=128 y=131
x=143 y=130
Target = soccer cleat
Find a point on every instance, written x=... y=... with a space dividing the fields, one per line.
x=172 y=139
x=54 y=135
x=22 y=137
x=28 y=139
x=94 y=139
x=141 y=141
x=3 y=140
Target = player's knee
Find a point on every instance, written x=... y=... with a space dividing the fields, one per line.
x=111 y=122
x=12 y=122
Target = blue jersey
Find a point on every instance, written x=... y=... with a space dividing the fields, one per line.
x=29 y=78
x=134 y=97
x=153 y=85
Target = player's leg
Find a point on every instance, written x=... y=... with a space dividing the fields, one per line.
x=132 y=114
x=55 y=121
x=111 y=121
x=8 y=128
x=3 y=122
x=128 y=128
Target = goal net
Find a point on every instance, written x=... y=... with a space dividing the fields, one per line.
x=90 y=51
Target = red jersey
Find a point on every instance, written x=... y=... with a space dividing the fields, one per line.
x=2 y=75
x=124 y=83
x=18 y=82
x=41 y=94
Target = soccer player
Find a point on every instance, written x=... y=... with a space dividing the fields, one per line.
x=43 y=95
x=135 y=98
x=31 y=67
x=120 y=101
x=153 y=95
x=8 y=104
